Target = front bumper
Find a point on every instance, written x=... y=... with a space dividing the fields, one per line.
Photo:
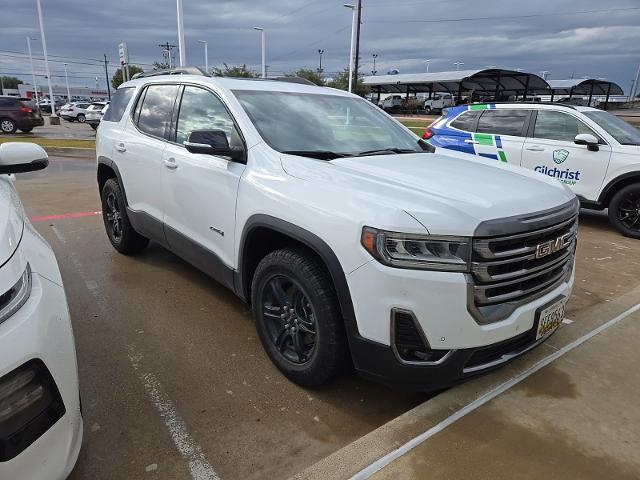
x=438 y=301
x=41 y=330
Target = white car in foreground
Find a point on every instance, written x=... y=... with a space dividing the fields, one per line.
x=40 y=418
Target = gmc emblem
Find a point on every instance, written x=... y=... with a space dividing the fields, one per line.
x=552 y=246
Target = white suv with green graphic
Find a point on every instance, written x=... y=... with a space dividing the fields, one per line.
x=594 y=152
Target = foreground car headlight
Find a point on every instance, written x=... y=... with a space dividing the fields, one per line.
x=16 y=296
x=425 y=252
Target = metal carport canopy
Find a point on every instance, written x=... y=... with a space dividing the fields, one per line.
x=508 y=81
x=582 y=86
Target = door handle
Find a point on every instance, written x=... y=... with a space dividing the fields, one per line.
x=170 y=163
x=121 y=148
x=535 y=148
x=473 y=142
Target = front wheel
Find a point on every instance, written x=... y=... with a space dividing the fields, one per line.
x=298 y=317
x=624 y=210
x=116 y=221
x=81 y=118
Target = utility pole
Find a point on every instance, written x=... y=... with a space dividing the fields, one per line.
x=354 y=18
x=264 y=50
x=66 y=81
x=634 y=90
x=357 y=60
x=458 y=65
x=320 y=52
x=181 y=33
x=1 y=85
x=106 y=76
x=206 y=55
x=374 y=71
x=428 y=62
x=54 y=118
x=166 y=52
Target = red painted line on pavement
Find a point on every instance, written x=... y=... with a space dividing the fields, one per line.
x=46 y=218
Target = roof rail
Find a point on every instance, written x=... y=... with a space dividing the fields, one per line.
x=513 y=102
x=300 y=80
x=172 y=71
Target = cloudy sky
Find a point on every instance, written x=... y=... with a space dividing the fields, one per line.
x=565 y=37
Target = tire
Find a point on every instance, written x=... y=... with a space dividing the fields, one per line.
x=8 y=126
x=291 y=289
x=26 y=130
x=94 y=126
x=81 y=118
x=427 y=110
x=116 y=222
x=624 y=211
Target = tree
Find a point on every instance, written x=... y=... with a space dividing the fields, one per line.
x=239 y=71
x=308 y=74
x=117 y=79
x=341 y=81
x=11 y=82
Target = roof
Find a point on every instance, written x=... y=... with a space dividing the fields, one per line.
x=509 y=81
x=582 y=86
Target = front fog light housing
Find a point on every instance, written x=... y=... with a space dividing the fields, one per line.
x=13 y=299
x=424 y=252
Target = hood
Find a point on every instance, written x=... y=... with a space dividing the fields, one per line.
x=11 y=219
x=447 y=195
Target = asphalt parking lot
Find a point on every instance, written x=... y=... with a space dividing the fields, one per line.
x=174 y=381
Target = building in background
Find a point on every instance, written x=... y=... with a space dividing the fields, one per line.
x=60 y=91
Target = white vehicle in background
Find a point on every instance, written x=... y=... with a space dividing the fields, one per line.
x=94 y=114
x=438 y=101
x=392 y=103
x=40 y=418
x=75 y=111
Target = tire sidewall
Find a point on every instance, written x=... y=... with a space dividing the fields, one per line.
x=81 y=118
x=614 y=205
x=13 y=130
x=111 y=186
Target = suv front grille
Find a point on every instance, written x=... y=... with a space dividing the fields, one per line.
x=507 y=271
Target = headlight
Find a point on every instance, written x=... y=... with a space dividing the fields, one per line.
x=425 y=252
x=16 y=296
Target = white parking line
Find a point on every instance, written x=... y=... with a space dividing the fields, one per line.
x=490 y=395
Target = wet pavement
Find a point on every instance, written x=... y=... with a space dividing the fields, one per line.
x=173 y=377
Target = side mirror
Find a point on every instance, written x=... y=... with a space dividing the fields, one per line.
x=21 y=157
x=213 y=142
x=589 y=140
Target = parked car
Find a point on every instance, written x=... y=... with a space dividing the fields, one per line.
x=350 y=239
x=40 y=419
x=593 y=152
x=438 y=102
x=19 y=113
x=45 y=105
x=75 y=111
x=94 y=114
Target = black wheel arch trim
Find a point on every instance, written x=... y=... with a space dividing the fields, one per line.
x=313 y=242
x=609 y=191
x=107 y=162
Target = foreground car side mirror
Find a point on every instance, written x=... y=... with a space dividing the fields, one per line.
x=21 y=157
x=589 y=140
x=213 y=142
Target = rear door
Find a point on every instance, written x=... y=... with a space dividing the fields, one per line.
x=500 y=134
x=550 y=149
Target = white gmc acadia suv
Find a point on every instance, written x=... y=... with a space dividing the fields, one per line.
x=346 y=234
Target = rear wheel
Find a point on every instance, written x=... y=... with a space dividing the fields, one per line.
x=624 y=210
x=114 y=214
x=427 y=110
x=8 y=126
x=26 y=130
x=298 y=317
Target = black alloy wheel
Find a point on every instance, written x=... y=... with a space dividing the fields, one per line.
x=114 y=217
x=624 y=211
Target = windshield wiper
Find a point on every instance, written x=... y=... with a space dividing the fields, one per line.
x=320 y=154
x=384 y=151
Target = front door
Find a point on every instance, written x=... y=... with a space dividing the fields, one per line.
x=551 y=150
x=199 y=191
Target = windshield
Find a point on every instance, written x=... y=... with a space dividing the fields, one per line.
x=624 y=133
x=332 y=125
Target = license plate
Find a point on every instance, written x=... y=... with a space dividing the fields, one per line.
x=550 y=318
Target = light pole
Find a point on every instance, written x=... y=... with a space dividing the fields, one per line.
x=458 y=65
x=206 y=55
x=428 y=61
x=320 y=53
x=374 y=71
x=66 y=79
x=33 y=72
x=354 y=14
x=54 y=118
x=264 y=51
x=544 y=73
x=181 y=33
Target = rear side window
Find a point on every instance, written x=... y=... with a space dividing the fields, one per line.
x=7 y=102
x=503 y=122
x=156 y=110
x=467 y=121
x=118 y=104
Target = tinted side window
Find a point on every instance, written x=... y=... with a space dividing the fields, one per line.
x=559 y=126
x=201 y=110
x=118 y=104
x=467 y=121
x=503 y=122
x=156 y=109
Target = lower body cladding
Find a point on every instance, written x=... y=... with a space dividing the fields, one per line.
x=415 y=330
x=40 y=419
